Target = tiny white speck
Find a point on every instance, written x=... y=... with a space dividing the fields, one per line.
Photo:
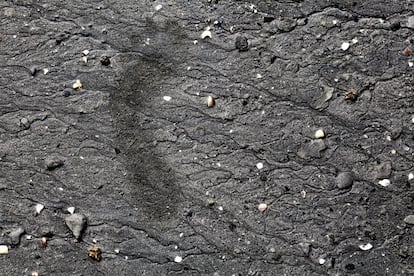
x=410 y=176
x=195 y=42
x=45 y=71
x=230 y=131
x=167 y=98
x=303 y=193
x=393 y=151
x=388 y=138
x=345 y=46
x=218 y=165
x=334 y=22
x=365 y=136
x=259 y=165
x=126 y=257
x=365 y=247
x=81 y=157
x=14 y=36
x=85 y=52
x=71 y=210
x=116 y=251
x=178 y=259
x=158 y=7
x=28 y=237
x=384 y=182
x=259 y=76
x=60 y=189
x=188 y=68
x=336 y=80
x=412 y=120
x=410 y=64
x=206 y=34
x=94 y=241
x=354 y=40
x=39 y=207
x=322 y=261
x=220 y=208
x=181 y=235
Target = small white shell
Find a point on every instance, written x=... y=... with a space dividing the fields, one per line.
x=178 y=259
x=71 y=210
x=319 y=134
x=365 y=247
x=4 y=249
x=167 y=98
x=345 y=46
x=39 y=207
x=262 y=207
x=206 y=34
x=384 y=182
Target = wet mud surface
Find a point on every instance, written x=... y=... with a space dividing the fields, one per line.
x=303 y=165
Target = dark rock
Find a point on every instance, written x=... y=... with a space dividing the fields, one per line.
x=384 y=169
x=105 y=60
x=53 y=162
x=84 y=33
x=350 y=266
x=344 y=180
x=242 y=43
x=66 y=92
x=77 y=224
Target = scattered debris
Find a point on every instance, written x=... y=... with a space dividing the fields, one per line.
x=345 y=46
x=71 y=210
x=77 y=85
x=344 y=180
x=319 y=134
x=365 y=247
x=77 y=224
x=95 y=253
x=105 y=60
x=167 y=98
x=242 y=44
x=210 y=101
x=178 y=259
x=206 y=34
x=409 y=219
x=39 y=207
x=262 y=207
x=384 y=182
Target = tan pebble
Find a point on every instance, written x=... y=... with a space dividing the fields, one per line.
x=319 y=134
x=95 y=253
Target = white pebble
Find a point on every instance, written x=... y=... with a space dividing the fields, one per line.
x=334 y=22
x=85 y=52
x=365 y=247
x=393 y=151
x=322 y=261
x=410 y=64
x=45 y=71
x=410 y=176
x=39 y=207
x=71 y=210
x=206 y=34
x=384 y=182
x=85 y=59
x=259 y=165
x=178 y=259
x=319 y=134
x=259 y=76
x=210 y=101
x=181 y=235
x=34 y=273
x=167 y=98
x=412 y=120
x=388 y=138
x=262 y=207
x=116 y=251
x=354 y=40
x=77 y=85
x=345 y=46
x=220 y=208
x=158 y=7
x=4 y=249
x=195 y=42
x=28 y=237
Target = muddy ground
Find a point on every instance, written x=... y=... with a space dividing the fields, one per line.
x=170 y=186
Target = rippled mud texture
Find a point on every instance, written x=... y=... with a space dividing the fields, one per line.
x=170 y=186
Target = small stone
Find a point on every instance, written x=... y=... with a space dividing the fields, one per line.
x=39 y=207
x=116 y=251
x=410 y=23
x=85 y=59
x=105 y=60
x=242 y=44
x=384 y=170
x=167 y=98
x=306 y=247
x=66 y=93
x=71 y=210
x=77 y=224
x=15 y=235
x=43 y=242
x=410 y=176
x=345 y=46
x=85 y=52
x=158 y=7
x=34 y=273
x=259 y=165
x=206 y=34
x=409 y=219
x=77 y=85
x=365 y=247
x=211 y=202
x=95 y=253
x=84 y=33
x=178 y=259
x=53 y=162
x=210 y=101
x=322 y=261
x=407 y=51
x=384 y=182
x=410 y=64
x=25 y=123
x=319 y=134
x=262 y=207
x=4 y=249
x=344 y=180
x=259 y=76
x=45 y=71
